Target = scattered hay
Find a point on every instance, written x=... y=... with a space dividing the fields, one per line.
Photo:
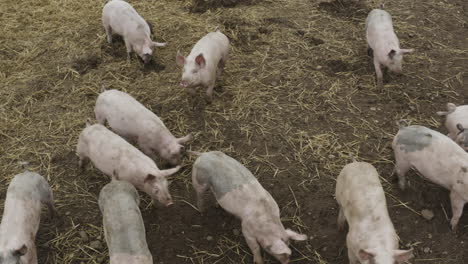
x=297 y=98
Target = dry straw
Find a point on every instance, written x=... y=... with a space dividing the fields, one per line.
x=297 y=99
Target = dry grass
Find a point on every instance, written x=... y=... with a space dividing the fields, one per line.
x=298 y=98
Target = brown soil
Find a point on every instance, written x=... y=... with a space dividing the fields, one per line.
x=297 y=99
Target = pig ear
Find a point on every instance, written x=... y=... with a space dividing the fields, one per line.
x=149 y=178
x=180 y=59
x=21 y=252
x=169 y=172
x=295 y=236
x=366 y=254
x=391 y=54
x=406 y=50
x=279 y=247
x=402 y=255
x=200 y=60
x=185 y=139
x=460 y=127
x=158 y=44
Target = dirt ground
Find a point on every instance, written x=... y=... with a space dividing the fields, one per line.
x=297 y=99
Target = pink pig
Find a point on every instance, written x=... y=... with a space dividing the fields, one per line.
x=131 y=120
x=361 y=199
x=239 y=193
x=120 y=17
x=456 y=122
x=21 y=217
x=204 y=63
x=117 y=158
x=383 y=43
x=437 y=158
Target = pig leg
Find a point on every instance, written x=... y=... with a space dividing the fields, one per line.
x=401 y=168
x=253 y=245
x=108 y=30
x=82 y=162
x=128 y=45
x=200 y=190
x=221 y=65
x=457 y=208
x=341 y=219
x=33 y=253
x=209 y=93
x=370 y=52
x=352 y=258
x=49 y=201
x=378 y=72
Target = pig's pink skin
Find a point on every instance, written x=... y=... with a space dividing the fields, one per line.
x=123 y=225
x=436 y=157
x=384 y=43
x=121 y=18
x=362 y=204
x=21 y=216
x=117 y=158
x=241 y=194
x=204 y=63
x=456 y=116
x=133 y=121
x=130 y=259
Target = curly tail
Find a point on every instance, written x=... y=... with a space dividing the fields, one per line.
x=88 y=122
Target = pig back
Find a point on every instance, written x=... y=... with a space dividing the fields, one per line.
x=433 y=154
x=126 y=116
x=378 y=17
x=123 y=18
x=29 y=186
x=359 y=191
x=223 y=173
x=123 y=225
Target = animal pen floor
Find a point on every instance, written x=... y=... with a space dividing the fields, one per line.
x=298 y=98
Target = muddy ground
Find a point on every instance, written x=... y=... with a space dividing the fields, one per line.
x=297 y=99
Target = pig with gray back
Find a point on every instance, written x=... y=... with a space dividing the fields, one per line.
x=436 y=157
x=121 y=18
x=456 y=122
x=123 y=225
x=118 y=159
x=239 y=193
x=204 y=63
x=21 y=217
x=131 y=120
x=371 y=237
x=383 y=43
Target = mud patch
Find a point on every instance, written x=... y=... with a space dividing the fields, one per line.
x=346 y=9
x=309 y=38
x=336 y=66
x=84 y=64
x=241 y=32
x=282 y=21
x=152 y=66
x=201 y=6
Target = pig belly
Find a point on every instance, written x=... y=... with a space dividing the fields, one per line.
x=245 y=200
x=430 y=165
x=123 y=258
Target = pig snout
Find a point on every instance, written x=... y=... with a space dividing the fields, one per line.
x=146 y=58
x=165 y=199
x=184 y=83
